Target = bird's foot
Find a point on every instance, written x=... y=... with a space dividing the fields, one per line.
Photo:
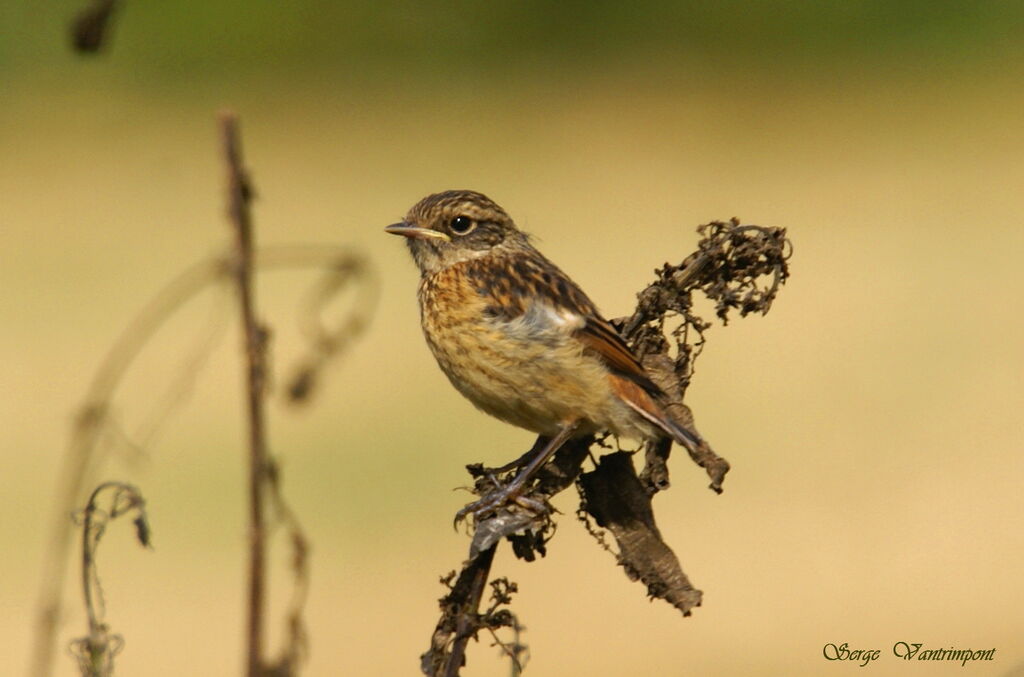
x=528 y=464
x=511 y=494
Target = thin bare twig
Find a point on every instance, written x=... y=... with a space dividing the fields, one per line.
x=255 y=335
x=296 y=647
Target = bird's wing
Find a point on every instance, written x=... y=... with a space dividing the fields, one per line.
x=533 y=290
x=601 y=339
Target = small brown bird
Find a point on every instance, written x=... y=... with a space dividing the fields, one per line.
x=518 y=338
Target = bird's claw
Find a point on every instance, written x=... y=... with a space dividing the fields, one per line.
x=501 y=496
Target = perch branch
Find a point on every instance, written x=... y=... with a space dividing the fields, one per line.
x=460 y=618
x=739 y=268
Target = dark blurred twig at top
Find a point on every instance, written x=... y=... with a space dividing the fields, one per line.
x=90 y=29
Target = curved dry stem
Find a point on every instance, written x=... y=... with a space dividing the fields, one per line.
x=85 y=451
x=96 y=651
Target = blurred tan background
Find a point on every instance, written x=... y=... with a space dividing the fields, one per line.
x=875 y=495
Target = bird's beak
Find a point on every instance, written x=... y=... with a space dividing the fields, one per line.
x=411 y=231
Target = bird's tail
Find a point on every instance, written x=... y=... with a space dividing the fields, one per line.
x=687 y=438
x=643 y=404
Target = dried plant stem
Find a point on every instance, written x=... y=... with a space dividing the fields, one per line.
x=86 y=450
x=467 y=625
x=96 y=429
x=239 y=196
x=95 y=651
x=81 y=458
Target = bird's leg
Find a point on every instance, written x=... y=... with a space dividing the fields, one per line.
x=537 y=447
x=512 y=490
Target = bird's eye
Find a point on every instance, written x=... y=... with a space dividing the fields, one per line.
x=461 y=225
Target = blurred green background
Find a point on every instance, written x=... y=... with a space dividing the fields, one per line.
x=875 y=495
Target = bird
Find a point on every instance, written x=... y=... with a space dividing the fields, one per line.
x=520 y=340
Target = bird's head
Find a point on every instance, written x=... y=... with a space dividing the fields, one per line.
x=453 y=226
